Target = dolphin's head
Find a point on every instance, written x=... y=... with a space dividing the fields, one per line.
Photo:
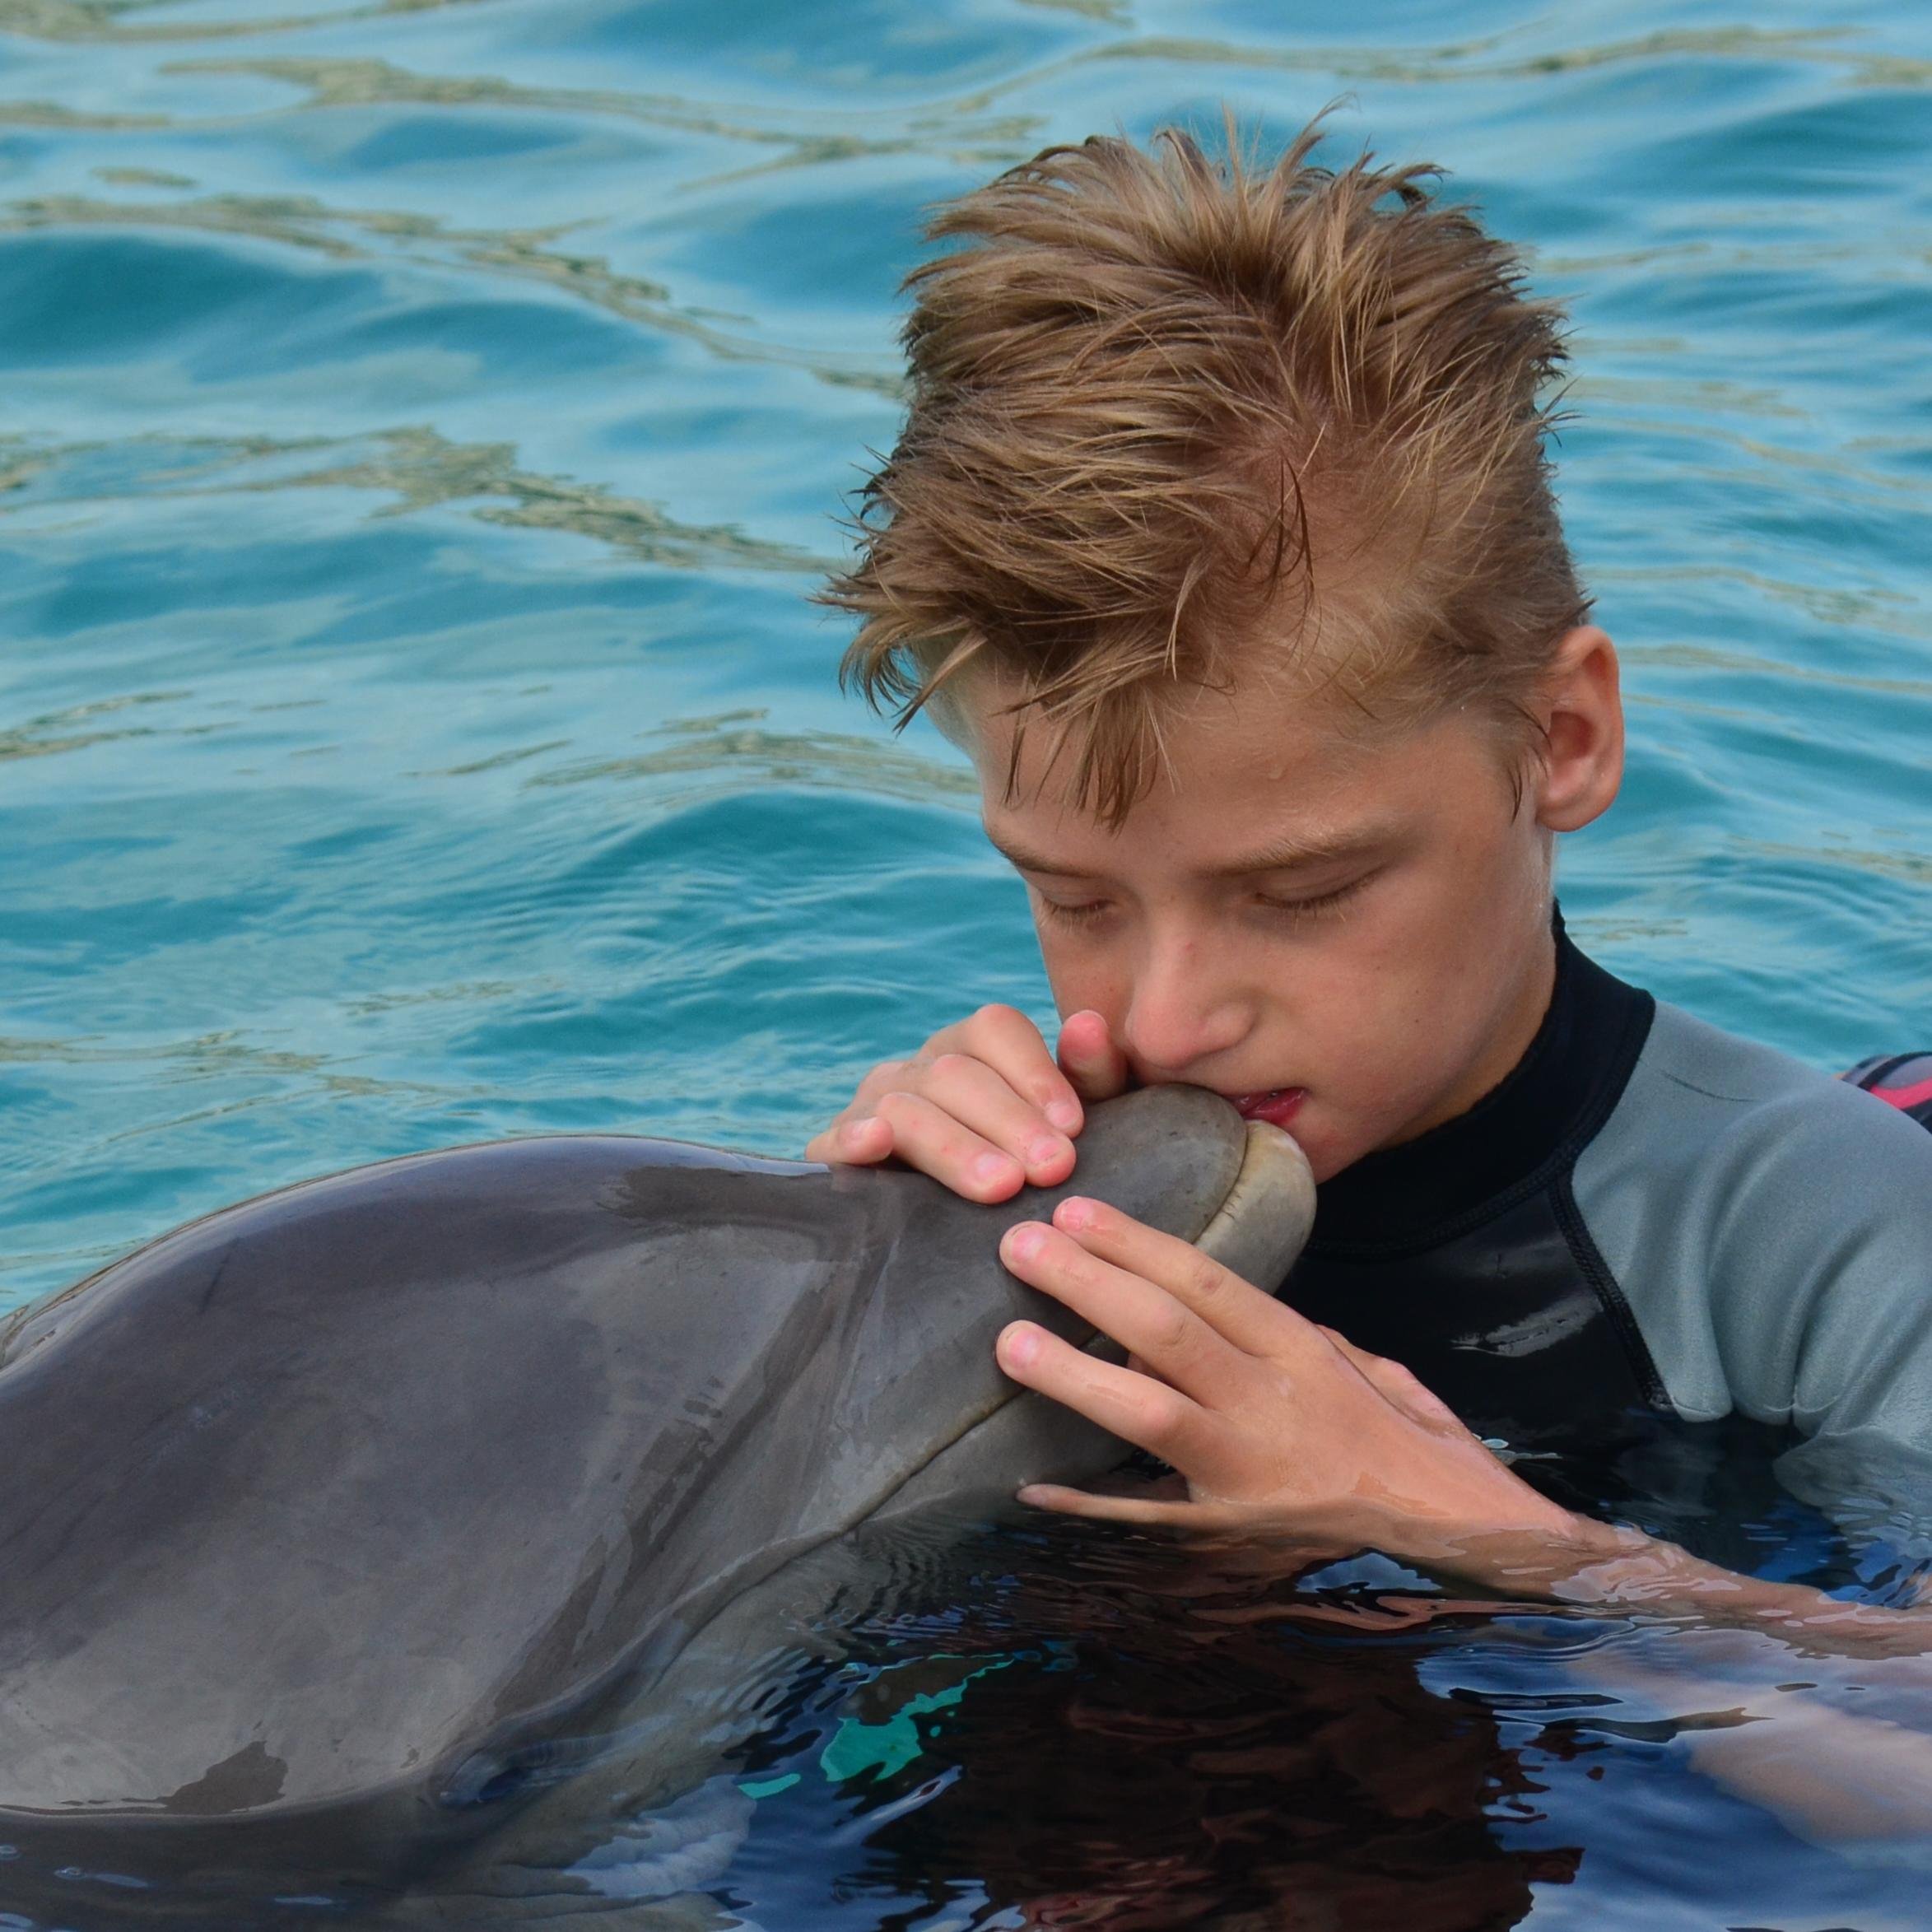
x=923 y=1421
x=1180 y=1158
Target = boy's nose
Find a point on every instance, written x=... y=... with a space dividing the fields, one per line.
x=1177 y=1021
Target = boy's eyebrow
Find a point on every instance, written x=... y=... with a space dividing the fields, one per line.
x=1283 y=855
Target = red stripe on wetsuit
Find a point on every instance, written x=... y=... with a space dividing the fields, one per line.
x=1905 y=1097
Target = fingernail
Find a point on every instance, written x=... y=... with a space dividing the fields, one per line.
x=854 y=1129
x=993 y=1167
x=1024 y=1242
x=1048 y=1147
x=1064 y=1115
x=1019 y=1344
x=1076 y=1211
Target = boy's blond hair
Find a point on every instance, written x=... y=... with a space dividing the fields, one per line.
x=1163 y=407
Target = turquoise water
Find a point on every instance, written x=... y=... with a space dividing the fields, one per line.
x=423 y=424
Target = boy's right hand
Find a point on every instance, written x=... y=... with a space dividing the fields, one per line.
x=984 y=1106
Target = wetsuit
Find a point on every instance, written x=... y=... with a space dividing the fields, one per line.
x=1648 y=1215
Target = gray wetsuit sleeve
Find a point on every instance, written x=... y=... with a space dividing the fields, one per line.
x=1770 y=1229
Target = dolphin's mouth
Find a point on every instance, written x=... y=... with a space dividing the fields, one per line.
x=1263 y=1223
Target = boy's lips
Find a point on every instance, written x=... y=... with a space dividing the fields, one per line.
x=1277 y=1105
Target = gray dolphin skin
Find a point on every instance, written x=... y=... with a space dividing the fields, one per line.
x=327 y=1517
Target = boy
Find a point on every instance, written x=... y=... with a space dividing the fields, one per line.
x=1221 y=533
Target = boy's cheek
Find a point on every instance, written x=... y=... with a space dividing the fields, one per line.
x=1082 y=973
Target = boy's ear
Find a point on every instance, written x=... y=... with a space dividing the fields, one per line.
x=1580 y=710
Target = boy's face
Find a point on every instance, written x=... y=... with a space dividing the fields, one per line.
x=1348 y=936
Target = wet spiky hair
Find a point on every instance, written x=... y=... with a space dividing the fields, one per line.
x=1152 y=391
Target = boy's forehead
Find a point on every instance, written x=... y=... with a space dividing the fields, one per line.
x=1248 y=779
x=1250 y=730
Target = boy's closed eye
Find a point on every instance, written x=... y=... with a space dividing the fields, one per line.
x=1080 y=912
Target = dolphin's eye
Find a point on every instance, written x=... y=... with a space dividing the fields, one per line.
x=488 y=1777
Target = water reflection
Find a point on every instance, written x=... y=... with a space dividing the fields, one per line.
x=733 y=752
x=799 y=142
x=1156 y=1758
x=116 y=20
x=1063 y=1725
x=416 y=466
x=307 y=222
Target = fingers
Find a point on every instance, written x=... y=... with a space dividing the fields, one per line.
x=1142 y=1510
x=857 y=1138
x=925 y=1136
x=1011 y=1045
x=964 y=1126
x=1094 y=1064
x=1151 y=1415
x=1234 y=1309
x=1164 y=1338
x=930 y=1137
x=1241 y=1545
x=980 y=1098
x=983 y=1108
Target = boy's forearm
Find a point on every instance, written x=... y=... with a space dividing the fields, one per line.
x=1609 y=1566
x=1832 y=1776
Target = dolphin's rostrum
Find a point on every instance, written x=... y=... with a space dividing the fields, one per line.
x=328 y=1515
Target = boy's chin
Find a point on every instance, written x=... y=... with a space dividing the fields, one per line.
x=1324 y=1166
x=1327 y=1144
x=1332 y=1144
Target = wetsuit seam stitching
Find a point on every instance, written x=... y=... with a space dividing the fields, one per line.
x=1589 y=1261
x=1732 y=1100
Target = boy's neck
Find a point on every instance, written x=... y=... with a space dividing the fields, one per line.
x=1508 y=1044
x=1569 y=1074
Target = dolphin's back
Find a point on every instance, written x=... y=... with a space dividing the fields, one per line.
x=311 y=1495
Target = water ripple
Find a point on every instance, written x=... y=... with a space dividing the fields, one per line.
x=306 y=222
x=112 y=21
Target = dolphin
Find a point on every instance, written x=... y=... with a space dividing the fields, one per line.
x=335 y=1521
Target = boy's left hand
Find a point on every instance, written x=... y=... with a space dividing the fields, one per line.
x=1278 y=1426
